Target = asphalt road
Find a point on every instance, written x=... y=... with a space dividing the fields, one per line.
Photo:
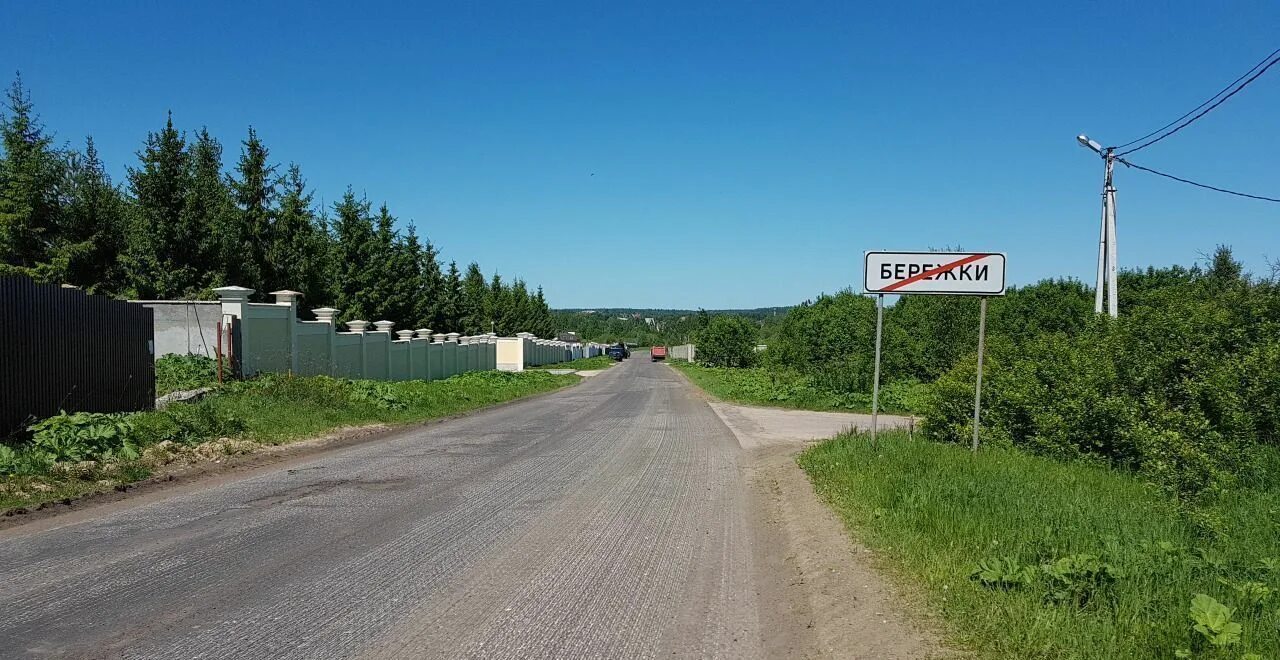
x=607 y=520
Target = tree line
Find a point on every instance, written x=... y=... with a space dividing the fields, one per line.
x=180 y=226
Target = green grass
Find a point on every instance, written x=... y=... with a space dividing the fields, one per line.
x=270 y=410
x=582 y=364
x=935 y=511
x=761 y=386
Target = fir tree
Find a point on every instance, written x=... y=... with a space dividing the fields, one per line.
x=430 y=297
x=353 y=253
x=254 y=192
x=218 y=246
x=299 y=254
x=160 y=257
x=451 y=310
x=30 y=173
x=475 y=304
x=91 y=232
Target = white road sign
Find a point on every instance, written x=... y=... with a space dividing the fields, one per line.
x=939 y=273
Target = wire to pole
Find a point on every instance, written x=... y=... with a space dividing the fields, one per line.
x=1274 y=60
x=1198 y=184
x=1211 y=99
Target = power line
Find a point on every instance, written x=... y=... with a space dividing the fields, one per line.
x=1211 y=99
x=1204 y=111
x=1197 y=184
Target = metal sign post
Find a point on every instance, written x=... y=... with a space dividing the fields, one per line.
x=875 y=387
x=933 y=273
x=977 y=388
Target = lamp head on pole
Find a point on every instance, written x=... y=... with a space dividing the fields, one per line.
x=1089 y=144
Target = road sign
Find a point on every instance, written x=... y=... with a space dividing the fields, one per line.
x=937 y=273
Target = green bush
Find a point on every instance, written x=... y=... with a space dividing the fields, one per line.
x=727 y=341
x=185 y=372
x=1182 y=387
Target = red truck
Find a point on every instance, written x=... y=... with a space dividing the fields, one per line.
x=658 y=353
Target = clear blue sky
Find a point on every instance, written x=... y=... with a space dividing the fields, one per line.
x=744 y=154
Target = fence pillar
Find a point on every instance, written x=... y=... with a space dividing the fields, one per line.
x=406 y=336
x=234 y=299
x=360 y=326
x=329 y=315
x=384 y=327
x=287 y=298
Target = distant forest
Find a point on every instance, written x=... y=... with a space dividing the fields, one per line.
x=656 y=327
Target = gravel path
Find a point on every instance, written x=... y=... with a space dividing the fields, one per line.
x=609 y=520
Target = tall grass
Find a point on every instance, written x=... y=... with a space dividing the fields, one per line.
x=937 y=513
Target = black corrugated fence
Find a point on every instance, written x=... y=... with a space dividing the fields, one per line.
x=61 y=349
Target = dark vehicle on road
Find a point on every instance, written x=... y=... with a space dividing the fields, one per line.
x=618 y=352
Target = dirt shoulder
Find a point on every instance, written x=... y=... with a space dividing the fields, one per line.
x=828 y=599
x=822 y=595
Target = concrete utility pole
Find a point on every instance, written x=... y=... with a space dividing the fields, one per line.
x=1107 y=234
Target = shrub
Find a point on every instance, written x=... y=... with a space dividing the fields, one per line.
x=727 y=341
x=185 y=372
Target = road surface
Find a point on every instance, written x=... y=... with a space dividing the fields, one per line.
x=608 y=520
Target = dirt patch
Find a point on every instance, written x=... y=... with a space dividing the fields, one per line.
x=759 y=427
x=827 y=599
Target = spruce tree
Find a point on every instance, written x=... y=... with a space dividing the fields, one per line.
x=299 y=254
x=494 y=306
x=543 y=322
x=354 y=241
x=162 y=251
x=254 y=192
x=394 y=271
x=220 y=246
x=430 y=297
x=519 y=318
x=475 y=304
x=91 y=232
x=451 y=310
x=30 y=173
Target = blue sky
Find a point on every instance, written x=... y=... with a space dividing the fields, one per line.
x=744 y=154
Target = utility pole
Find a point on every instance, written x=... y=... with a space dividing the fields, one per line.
x=1107 y=233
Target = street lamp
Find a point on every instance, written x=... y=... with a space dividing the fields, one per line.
x=1107 y=234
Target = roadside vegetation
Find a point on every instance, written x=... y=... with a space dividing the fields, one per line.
x=75 y=454
x=1028 y=557
x=763 y=386
x=1126 y=499
x=582 y=364
x=178 y=373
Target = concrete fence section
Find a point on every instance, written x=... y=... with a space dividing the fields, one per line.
x=184 y=327
x=269 y=338
x=683 y=352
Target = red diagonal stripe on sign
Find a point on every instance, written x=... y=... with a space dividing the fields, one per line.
x=940 y=269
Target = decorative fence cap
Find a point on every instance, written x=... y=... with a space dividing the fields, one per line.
x=326 y=314
x=232 y=293
x=424 y=333
x=453 y=337
x=384 y=326
x=357 y=326
x=286 y=297
x=404 y=335
x=438 y=337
